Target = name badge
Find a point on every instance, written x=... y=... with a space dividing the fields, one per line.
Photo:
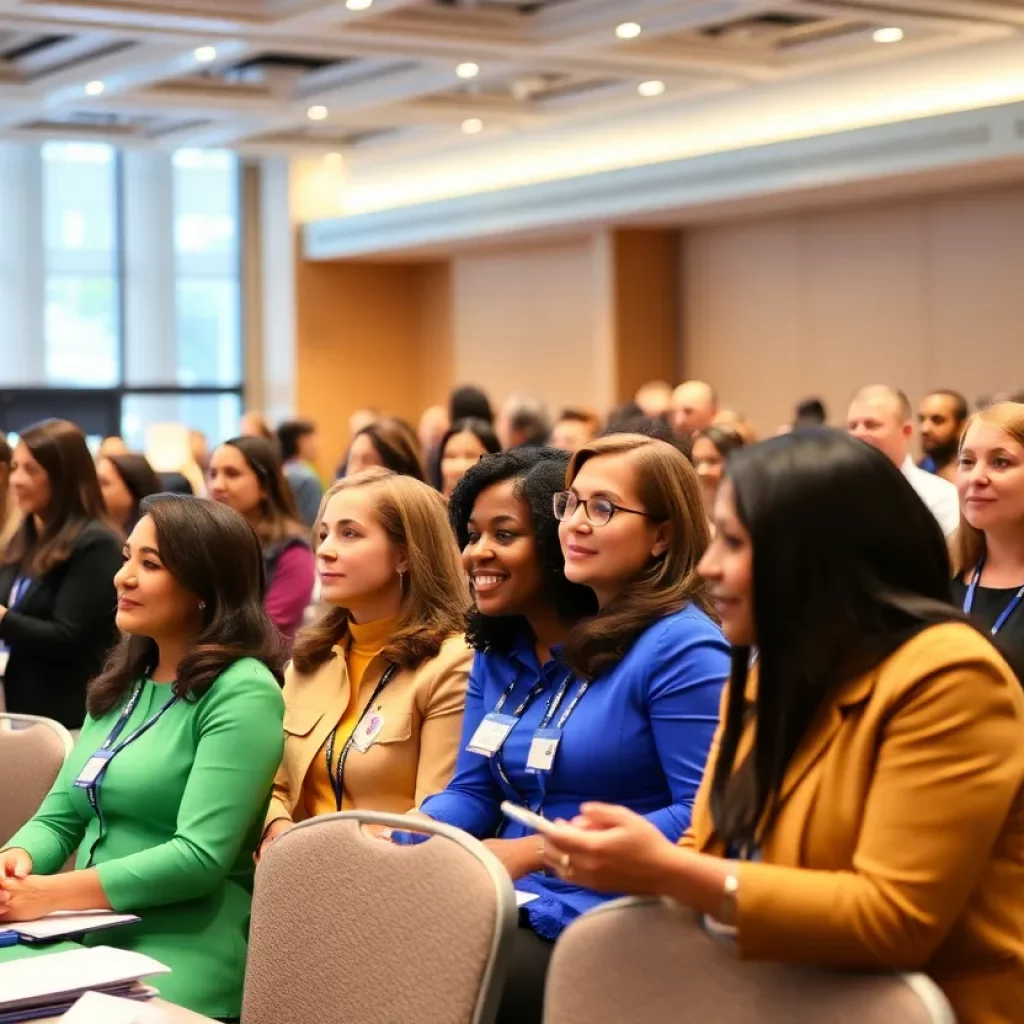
x=543 y=749
x=367 y=732
x=93 y=769
x=491 y=734
x=5 y=656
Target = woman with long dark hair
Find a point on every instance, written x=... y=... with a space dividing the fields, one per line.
x=163 y=795
x=388 y=443
x=616 y=660
x=866 y=805
x=57 y=600
x=124 y=481
x=246 y=475
x=463 y=445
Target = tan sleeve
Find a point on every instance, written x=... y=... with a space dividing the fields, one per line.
x=442 y=720
x=282 y=800
x=949 y=768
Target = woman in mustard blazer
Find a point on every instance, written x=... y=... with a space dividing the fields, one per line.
x=864 y=801
x=375 y=692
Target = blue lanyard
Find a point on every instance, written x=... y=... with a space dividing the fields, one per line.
x=556 y=703
x=18 y=588
x=1007 y=611
x=108 y=752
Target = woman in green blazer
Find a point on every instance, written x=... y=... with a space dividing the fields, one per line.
x=165 y=792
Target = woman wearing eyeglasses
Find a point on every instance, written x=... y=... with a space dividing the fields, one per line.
x=623 y=701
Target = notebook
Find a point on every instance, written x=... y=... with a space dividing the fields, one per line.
x=63 y=924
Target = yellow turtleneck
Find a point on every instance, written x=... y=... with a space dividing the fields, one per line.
x=365 y=642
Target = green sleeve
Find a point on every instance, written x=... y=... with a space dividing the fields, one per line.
x=240 y=743
x=56 y=830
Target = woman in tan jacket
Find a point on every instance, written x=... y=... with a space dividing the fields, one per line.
x=375 y=692
x=864 y=801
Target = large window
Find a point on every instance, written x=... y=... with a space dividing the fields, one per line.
x=80 y=228
x=120 y=278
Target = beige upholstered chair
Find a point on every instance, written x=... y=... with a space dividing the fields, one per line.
x=32 y=753
x=649 y=961
x=349 y=927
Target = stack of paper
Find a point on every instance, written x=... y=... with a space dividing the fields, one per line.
x=48 y=985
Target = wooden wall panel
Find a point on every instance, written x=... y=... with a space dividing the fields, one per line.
x=646 y=296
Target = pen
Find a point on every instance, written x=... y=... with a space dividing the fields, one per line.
x=8 y=938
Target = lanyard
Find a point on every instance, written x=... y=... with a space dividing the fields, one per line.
x=1007 y=611
x=119 y=726
x=100 y=761
x=556 y=703
x=337 y=775
x=18 y=588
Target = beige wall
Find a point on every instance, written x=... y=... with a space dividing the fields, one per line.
x=534 y=320
x=919 y=294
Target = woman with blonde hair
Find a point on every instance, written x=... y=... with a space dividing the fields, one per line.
x=988 y=551
x=374 y=695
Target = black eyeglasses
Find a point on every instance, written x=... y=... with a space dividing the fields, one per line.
x=599 y=510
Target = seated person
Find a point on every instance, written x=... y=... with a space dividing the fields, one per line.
x=865 y=808
x=164 y=794
x=602 y=641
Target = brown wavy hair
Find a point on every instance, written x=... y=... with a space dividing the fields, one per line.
x=396 y=443
x=214 y=554
x=969 y=543
x=669 y=491
x=75 y=498
x=278 y=517
x=434 y=601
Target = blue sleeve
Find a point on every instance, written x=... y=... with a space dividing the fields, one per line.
x=684 y=683
x=473 y=798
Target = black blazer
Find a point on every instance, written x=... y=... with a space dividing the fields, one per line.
x=62 y=628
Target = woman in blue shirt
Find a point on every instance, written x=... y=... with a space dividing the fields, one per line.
x=630 y=692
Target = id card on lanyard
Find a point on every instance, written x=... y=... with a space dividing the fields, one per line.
x=546 y=740
x=91 y=775
x=21 y=584
x=491 y=733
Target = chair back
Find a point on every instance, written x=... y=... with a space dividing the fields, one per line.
x=32 y=753
x=650 y=961
x=347 y=926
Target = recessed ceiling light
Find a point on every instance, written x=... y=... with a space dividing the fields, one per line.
x=317 y=113
x=888 y=35
x=628 y=30
x=472 y=126
x=654 y=88
x=94 y=88
x=358 y=5
x=205 y=54
x=467 y=70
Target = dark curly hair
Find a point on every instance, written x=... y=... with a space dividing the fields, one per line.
x=538 y=474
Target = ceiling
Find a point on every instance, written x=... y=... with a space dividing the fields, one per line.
x=390 y=77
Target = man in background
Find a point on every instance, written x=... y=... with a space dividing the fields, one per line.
x=881 y=416
x=523 y=423
x=654 y=399
x=941 y=416
x=694 y=406
x=299 y=450
x=573 y=429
